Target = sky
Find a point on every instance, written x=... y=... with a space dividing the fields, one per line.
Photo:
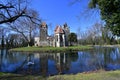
x=58 y=12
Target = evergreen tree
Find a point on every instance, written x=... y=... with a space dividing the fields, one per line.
x=72 y=38
x=110 y=13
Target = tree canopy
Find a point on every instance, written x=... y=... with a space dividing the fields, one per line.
x=110 y=13
x=72 y=38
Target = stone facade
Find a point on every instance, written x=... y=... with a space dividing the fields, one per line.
x=43 y=31
x=66 y=32
x=43 y=34
x=60 y=38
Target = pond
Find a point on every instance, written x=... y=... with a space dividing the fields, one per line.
x=47 y=64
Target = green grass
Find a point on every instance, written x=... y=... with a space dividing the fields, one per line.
x=99 y=75
x=110 y=75
x=51 y=49
x=8 y=76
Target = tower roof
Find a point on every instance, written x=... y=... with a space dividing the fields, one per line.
x=43 y=24
x=58 y=29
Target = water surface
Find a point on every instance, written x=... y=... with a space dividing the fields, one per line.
x=60 y=63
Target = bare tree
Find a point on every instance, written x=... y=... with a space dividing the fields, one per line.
x=3 y=32
x=11 y=10
x=25 y=27
x=2 y=37
x=95 y=32
x=15 y=40
x=79 y=35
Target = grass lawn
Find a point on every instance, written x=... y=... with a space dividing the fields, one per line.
x=101 y=75
x=52 y=49
x=9 y=76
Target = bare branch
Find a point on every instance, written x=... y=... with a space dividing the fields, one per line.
x=11 y=19
x=17 y=30
x=13 y=12
x=3 y=16
x=5 y=7
x=33 y=18
x=74 y=1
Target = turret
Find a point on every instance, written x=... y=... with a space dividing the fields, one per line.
x=43 y=31
x=67 y=32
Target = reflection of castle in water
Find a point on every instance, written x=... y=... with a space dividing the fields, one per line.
x=62 y=62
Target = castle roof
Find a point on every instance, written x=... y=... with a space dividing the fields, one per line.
x=43 y=24
x=58 y=30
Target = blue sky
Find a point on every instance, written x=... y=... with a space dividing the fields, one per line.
x=57 y=12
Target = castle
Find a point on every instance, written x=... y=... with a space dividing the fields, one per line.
x=60 y=38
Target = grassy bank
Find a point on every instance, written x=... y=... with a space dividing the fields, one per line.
x=52 y=49
x=101 y=75
x=9 y=76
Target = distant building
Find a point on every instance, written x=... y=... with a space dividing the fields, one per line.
x=37 y=41
x=59 y=39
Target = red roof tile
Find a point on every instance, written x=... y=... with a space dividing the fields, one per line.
x=58 y=29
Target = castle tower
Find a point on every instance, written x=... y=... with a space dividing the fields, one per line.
x=59 y=37
x=67 y=32
x=43 y=34
x=43 y=31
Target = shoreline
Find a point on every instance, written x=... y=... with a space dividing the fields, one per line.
x=107 y=45
x=58 y=49
x=51 y=49
x=95 y=75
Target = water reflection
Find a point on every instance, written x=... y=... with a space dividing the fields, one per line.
x=59 y=63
